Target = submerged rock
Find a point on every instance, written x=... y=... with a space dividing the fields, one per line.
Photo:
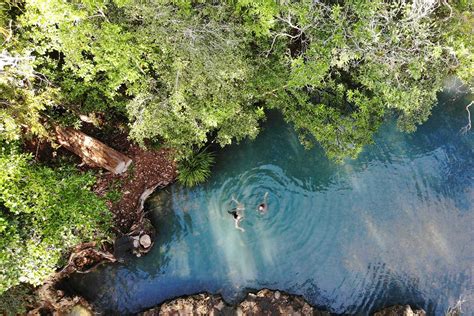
x=400 y=310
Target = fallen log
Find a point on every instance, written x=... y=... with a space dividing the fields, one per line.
x=92 y=151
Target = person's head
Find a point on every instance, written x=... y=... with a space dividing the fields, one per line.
x=261 y=207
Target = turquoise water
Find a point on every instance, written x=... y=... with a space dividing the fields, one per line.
x=394 y=226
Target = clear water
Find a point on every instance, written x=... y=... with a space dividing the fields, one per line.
x=394 y=226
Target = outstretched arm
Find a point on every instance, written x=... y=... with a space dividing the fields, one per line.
x=237 y=221
x=234 y=200
x=240 y=206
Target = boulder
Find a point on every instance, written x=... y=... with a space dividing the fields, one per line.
x=400 y=310
x=80 y=310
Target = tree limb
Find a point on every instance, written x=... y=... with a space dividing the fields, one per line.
x=467 y=128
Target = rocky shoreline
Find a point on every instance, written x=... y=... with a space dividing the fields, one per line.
x=264 y=302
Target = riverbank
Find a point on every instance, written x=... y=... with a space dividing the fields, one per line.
x=125 y=194
x=263 y=302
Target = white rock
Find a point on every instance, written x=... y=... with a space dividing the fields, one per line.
x=220 y=306
x=145 y=241
x=135 y=243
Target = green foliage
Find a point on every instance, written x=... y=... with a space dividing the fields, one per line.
x=43 y=212
x=22 y=97
x=17 y=300
x=181 y=71
x=195 y=169
x=200 y=81
x=357 y=60
x=113 y=192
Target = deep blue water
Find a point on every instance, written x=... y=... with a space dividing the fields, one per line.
x=394 y=226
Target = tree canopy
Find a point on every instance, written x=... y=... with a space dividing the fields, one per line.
x=186 y=73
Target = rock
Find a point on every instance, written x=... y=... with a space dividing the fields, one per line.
x=400 y=310
x=239 y=311
x=275 y=303
x=264 y=302
x=220 y=306
x=79 y=310
x=136 y=243
x=200 y=304
x=145 y=241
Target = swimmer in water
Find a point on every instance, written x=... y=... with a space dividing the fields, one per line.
x=237 y=213
x=263 y=207
x=238 y=217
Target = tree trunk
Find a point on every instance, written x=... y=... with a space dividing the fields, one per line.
x=92 y=151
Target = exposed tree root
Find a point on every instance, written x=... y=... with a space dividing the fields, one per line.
x=84 y=258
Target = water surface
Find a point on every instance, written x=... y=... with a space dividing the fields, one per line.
x=394 y=226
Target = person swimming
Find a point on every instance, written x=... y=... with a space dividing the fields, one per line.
x=262 y=208
x=238 y=217
x=237 y=213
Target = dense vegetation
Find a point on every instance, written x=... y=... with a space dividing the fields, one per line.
x=186 y=74
x=43 y=213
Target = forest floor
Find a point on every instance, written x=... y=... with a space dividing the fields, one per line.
x=150 y=167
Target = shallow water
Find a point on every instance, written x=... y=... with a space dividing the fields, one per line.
x=394 y=226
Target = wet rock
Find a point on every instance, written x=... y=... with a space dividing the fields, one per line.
x=277 y=303
x=400 y=310
x=145 y=241
x=220 y=306
x=200 y=304
x=136 y=243
x=264 y=302
x=80 y=310
x=238 y=311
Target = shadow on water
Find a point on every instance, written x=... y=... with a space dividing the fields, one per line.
x=393 y=226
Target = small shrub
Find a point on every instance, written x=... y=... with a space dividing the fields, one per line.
x=113 y=192
x=195 y=169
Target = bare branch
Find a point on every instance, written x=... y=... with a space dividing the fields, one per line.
x=456 y=309
x=467 y=128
